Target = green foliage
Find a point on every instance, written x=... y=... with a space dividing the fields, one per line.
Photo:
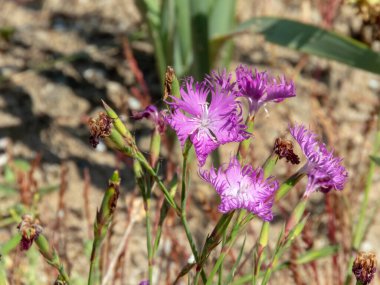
x=313 y=40
x=193 y=36
x=182 y=33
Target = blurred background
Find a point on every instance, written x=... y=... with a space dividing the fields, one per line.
x=58 y=59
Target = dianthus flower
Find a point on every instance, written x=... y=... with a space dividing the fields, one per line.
x=221 y=81
x=323 y=169
x=243 y=188
x=151 y=112
x=209 y=116
x=260 y=88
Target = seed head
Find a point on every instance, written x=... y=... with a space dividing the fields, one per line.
x=284 y=149
x=364 y=267
x=99 y=128
x=29 y=229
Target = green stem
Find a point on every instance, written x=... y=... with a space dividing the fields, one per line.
x=183 y=206
x=51 y=257
x=149 y=234
x=173 y=185
x=244 y=145
x=360 y=228
x=288 y=185
x=293 y=228
x=227 y=247
x=220 y=278
x=263 y=241
x=93 y=277
x=102 y=222
x=144 y=163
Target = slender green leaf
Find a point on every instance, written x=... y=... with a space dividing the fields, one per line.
x=21 y=164
x=221 y=21
x=312 y=40
x=167 y=29
x=375 y=159
x=11 y=244
x=151 y=10
x=315 y=254
x=182 y=41
x=307 y=257
x=221 y=17
x=233 y=269
x=3 y=274
x=199 y=23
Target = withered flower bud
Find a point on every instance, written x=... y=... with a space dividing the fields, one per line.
x=169 y=75
x=29 y=229
x=99 y=128
x=284 y=149
x=364 y=267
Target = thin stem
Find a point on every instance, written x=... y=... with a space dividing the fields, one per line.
x=220 y=278
x=102 y=222
x=93 y=276
x=360 y=229
x=144 y=163
x=227 y=247
x=51 y=257
x=263 y=241
x=288 y=185
x=183 y=206
x=149 y=233
x=244 y=145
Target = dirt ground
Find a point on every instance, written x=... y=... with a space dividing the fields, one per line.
x=63 y=57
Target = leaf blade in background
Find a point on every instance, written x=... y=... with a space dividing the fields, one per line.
x=182 y=41
x=316 y=254
x=221 y=21
x=200 y=25
x=312 y=40
x=375 y=159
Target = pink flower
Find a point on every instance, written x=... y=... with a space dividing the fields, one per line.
x=260 y=88
x=324 y=171
x=208 y=115
x=151 y=112
x=243 y=188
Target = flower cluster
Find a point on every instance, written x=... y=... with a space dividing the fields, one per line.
x=209 y=114
x=323 y=169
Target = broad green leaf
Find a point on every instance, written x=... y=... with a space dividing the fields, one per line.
x=311 y=40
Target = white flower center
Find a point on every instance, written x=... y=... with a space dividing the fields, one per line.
x=204 y=123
